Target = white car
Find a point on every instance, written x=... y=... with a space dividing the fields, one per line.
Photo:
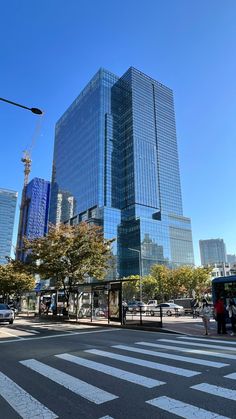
x=167 y=309
x=6 y=314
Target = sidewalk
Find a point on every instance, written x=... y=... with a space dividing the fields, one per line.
x=190 y=326
x=185 y=325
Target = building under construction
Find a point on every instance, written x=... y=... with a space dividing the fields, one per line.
x=34 y=208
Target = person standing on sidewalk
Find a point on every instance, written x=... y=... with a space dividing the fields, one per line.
x=205 y=313
x=220 y=315
x=231 y=308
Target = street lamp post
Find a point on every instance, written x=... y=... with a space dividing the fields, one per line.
x=140 y=272
x=140 y=280
x=33 y=110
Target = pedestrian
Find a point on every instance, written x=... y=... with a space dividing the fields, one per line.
x=124 y=311
x=231 y=308
x=205 y=313
x=220 y=315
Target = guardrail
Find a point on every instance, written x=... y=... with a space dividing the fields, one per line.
x=140 y=316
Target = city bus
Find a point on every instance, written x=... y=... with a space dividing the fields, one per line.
x=224 y=286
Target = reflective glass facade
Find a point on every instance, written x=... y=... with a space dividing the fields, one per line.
x=116 y=163
x=35 y=212
x=7 y=215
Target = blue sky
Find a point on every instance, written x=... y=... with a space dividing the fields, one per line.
x=50 y=49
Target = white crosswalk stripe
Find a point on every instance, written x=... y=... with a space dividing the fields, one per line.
x=171 y=356
x=107 y=417
x=224 y=342
x=190 y=351
x=182 y=409
x=22 y=402
x=148 y=364
x=83 y=389
x=29 y=408
x=206 y=345
x=115 y=372
x=227 y=393
x=232 y=376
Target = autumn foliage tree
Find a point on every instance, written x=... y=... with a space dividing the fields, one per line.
x=69 y=255
x=14 y=281
x=164 y=283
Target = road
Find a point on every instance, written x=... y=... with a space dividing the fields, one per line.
x=51 y=370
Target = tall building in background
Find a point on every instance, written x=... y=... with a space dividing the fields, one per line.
x=212 y=251
x=35 y=212
x=7 y=215
x=116 y=165
x=231 y=258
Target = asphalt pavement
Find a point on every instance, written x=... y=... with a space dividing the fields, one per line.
x=52 y=370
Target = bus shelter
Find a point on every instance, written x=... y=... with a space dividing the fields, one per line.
x=94 y=301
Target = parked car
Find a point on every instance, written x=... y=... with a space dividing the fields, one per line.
x=187 y=303
x=6 y=314
x=135 y=306
x=152 y=303
x=167 y=309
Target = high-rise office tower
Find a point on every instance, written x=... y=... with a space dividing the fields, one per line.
x=35 y=213
x=212 y=251
x=116 y=164
x=7 y=215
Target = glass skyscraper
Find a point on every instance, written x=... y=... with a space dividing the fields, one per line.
x=212 y=251
x=7 y=215
x=116 y=164
x=34 y=213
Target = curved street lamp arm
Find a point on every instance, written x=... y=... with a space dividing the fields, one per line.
x=34 y=110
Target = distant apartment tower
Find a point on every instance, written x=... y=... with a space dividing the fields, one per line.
x=212 y=251
x=7 y=215
x=116 y=164
x=35 y=212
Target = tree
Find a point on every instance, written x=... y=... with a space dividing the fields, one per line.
x=130 y=287
x=14 y=281
x=201 y=282
x=188 y=279
x=150 y=287
x=69 y=255
x=161 y=275
x=182 y=279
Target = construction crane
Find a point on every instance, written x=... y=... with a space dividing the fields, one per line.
x=27 y=161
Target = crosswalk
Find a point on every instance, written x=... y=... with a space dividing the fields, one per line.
x=150 y=365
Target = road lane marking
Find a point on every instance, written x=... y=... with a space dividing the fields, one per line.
x=20 y=339
x=83 y=389
x=9 y=334
x=143 y=363
x=171 y=356
x=22 y=402
x=27 y=330
x=184 y=410
x=196 y=344
x=232 y=376
x=224 y=342
x=114 y=372
x=192 y=351
x=227 y=393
